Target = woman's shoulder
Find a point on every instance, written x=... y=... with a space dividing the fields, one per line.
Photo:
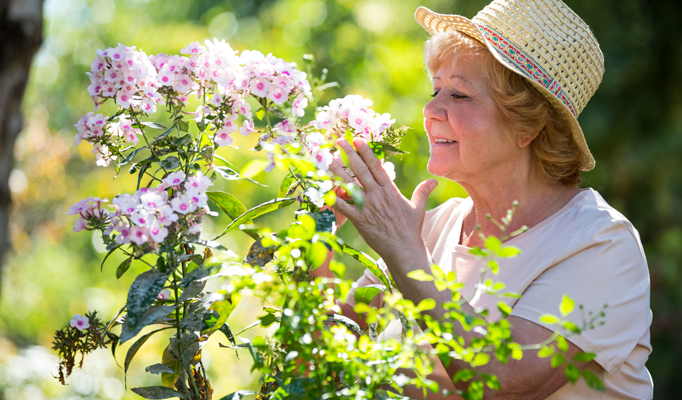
x=592 y=221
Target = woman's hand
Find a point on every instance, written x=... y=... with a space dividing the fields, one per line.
x=390 y=223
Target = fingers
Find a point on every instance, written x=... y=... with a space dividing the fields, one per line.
x=339 y=170
x=373 y=162
x=344 y=208
x=358 y=165
x=421 y=194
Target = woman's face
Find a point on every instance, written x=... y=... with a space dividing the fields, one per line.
x=467 y=140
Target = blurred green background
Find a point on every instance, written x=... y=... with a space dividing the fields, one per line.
x=633 y=126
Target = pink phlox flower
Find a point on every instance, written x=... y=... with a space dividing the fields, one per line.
x=80 y=224
x=284 y=82
x=166 y=77
x=315 y=140
x=264 y=70
x=222 y=136
x=152 y=200
x=241 y=81
x=183 y=84
x=148 y=106
x=325 y=120
x=79 y=322
x=97 y=64
x=183 y=204
x=194 y=229
x=131 y=136
x=240 y=106
x=199 y=198
x=230 y=123
x=278 y=95
x=95 y=87
x=216 y=99
x=382 y=122
x=78 y=138
x=272 y=164
x=260 y=87
x=159 y=60
x=285 y=68
x=126 y=203
x=285 y=126
x=198 y=182
x=167 y=216
x=165 y=294
x=108 y=90
x=102 y=154
x=358 y=120
x=298 y=105
x=142 y=218
x=175 y=178
x=194 y=48
x=247 y=128
x=158 y=232
x=97 y=120
x=139 y=234
x=321 y=158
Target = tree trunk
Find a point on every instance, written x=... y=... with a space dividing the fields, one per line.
x=21 y=33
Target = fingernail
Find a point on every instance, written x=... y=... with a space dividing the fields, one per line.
x=433 y=184
x=343 y=143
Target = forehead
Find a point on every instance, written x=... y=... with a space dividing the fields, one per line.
x=465 y=68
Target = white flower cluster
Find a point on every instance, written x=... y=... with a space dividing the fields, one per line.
x=138 y=83
x=127 y=75
x=354 y=111
x=146 y=215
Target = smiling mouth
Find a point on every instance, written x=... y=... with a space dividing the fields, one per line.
x=439 y=141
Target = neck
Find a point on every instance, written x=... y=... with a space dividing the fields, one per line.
x=537 y=200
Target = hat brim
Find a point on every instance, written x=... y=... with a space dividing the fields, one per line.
x=437 y=23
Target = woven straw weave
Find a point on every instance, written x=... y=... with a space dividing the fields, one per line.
x=542 y=40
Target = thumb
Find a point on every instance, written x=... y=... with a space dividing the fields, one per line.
x=421 y=194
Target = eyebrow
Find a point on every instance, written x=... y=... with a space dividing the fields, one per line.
x=451 y=77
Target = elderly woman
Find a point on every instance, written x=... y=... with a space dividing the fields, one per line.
x=507 y=89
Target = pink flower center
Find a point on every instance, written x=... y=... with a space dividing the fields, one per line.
x=260 y=86
x=183 y=207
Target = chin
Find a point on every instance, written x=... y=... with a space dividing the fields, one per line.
x=439 y=169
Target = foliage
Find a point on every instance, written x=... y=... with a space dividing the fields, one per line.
x=314 y=352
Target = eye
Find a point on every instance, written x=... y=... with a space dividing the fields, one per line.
x=435 y=93
x=459 y=96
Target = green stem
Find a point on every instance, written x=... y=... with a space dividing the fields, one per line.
x=144 y=135
x=177 y=325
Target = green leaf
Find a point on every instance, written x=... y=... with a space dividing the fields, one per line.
x=492 y=243
x=253 y=168
x=504 y=308
x=349 y=138
x=572 y=373
x=227 y=173
x=570 y=326
x=163 y=135
x=562 y=344
x=260 y=114
x=159 y=368
x=480 y=359
x=228 y=203
x=268 y=319
x=491 y=381
x=592 y=380
x=382 y=149
x=183 y=126
x=558 y=360
x=365 y=294
x=286 y=185
x=371 y=265
x=154 y=125
x=463 y=375
x=130 y=156
x=142 y=294
x=225 y=329
x=549 y=319
x=508 y=252
x=238 y=395
x=317 y=253
x=426 y=304
x=152 y=315
x=107 y=256
x=136 y=346
x=182 y=140
x=567 y=305
x=584 y=357
x=257 y=211
x=123 y=267
x=345 y=321
x=208 y=243
x=545 y=352
x=437 y=272
x=420 y=275
x=157 y=392
x=170 y=162
x=325 y=221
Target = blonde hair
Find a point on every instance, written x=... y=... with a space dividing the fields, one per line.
x=523 y=110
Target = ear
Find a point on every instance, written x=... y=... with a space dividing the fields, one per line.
x=525 y=140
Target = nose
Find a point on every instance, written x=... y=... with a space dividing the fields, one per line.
x=434 y=110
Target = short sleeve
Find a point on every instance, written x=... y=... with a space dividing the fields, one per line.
x=603 y=264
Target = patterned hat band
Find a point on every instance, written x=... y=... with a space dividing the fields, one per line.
x=525 y=63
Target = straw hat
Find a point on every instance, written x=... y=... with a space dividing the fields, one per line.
x=542 y=40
